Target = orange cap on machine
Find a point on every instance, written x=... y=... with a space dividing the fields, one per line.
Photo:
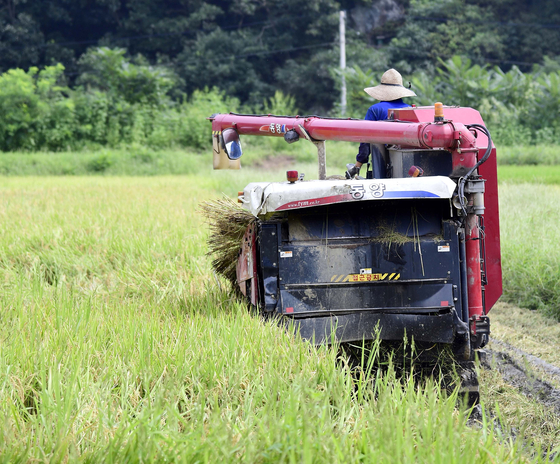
x=438 y=112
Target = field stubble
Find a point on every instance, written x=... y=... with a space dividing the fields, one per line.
x=118 y=344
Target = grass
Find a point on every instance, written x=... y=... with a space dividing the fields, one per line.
x=521 y=416
x=548 y=175
x=118 y=344
x=531 y=331
x=529 y=155
x=530 y=253
x=269 y=154
x=534 y=333
x=104 y=162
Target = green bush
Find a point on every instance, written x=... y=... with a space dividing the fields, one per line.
x=122 y=102
x=38 y=113
x=35 y=111
x=110 y=71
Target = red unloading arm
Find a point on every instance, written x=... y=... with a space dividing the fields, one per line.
x=446 y=134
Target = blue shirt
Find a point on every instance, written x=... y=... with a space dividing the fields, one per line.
x=380 y=111
x=377 y=112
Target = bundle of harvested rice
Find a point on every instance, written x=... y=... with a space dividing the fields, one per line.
x=228 y=223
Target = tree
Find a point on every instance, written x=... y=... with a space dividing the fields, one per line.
x=443 y=28
x=110 y=71
x=504 y=32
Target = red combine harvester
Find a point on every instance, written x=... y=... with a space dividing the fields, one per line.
x=415 y=256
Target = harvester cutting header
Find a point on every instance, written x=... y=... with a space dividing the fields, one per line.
x=416 y=252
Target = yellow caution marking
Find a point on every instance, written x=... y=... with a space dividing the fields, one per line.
x=341 y=278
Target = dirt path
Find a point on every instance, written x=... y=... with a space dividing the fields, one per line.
x=518 y=376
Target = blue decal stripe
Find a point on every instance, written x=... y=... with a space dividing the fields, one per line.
x=410 y=194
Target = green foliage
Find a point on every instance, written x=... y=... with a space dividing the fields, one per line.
x=438 y=29
x=100 y=163
x=357 y=101
x=280 y=104
x=194 y=129
x=492 y=31
x=110 y=71
x=119 y=104
x=251 y=48
x=35 y=111
x=122 y=103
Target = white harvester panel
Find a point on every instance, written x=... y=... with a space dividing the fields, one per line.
x=264 y=197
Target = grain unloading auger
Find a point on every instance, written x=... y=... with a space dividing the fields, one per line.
x=417 y=257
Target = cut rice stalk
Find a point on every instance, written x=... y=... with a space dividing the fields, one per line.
x=228 y=223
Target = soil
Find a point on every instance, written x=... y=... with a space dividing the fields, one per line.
x=518 y=376
x=521 y=370
x=550 y=369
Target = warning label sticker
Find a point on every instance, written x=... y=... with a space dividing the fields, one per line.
x=364 y=277
x=286 y=254
x=443 y=248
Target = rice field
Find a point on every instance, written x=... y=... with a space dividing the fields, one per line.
x=530 y=251
x=117 y=344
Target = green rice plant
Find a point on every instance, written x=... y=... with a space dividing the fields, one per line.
x=129 y=380
x=117 y=344
x=530 y=237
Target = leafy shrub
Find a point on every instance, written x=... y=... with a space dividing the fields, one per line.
x=110 y=71
x=100 y=163
x=34 y=110
x=124 y=102
x=193 y=128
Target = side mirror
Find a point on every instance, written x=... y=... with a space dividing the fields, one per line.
x=232 y=144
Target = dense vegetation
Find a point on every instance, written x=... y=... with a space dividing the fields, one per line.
x=118 y=102
x=109 y=73
x=250 y=48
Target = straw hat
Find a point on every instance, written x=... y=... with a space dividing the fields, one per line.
x=391 y=87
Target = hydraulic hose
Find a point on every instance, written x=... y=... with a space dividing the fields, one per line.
x=463 y=180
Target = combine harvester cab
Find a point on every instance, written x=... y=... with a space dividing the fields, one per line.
x=412 y=257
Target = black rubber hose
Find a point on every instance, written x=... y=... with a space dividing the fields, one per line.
x=463 y=180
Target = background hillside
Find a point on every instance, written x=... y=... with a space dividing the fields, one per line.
x=108 y=73
x=251 y=48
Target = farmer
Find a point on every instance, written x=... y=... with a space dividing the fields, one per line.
x=390 y=94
